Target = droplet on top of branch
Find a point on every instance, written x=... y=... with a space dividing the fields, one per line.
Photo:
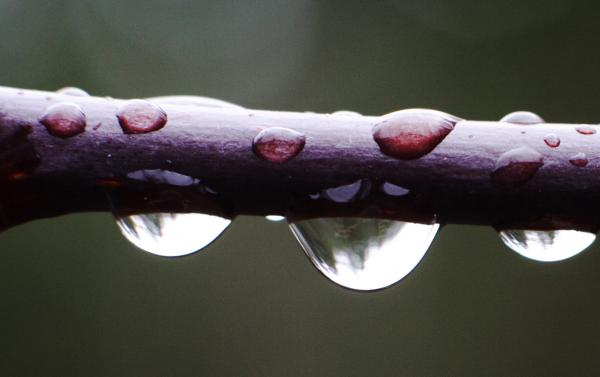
x=522 y=117
x=64 y=119
x=585 y=130
x=72 y=91
x=580 y=160
x=410 y=134
x=139 y=116
x=552 y=140
x=278 y=144
x=517 y=166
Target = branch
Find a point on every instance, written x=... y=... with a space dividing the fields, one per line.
x=67 y=152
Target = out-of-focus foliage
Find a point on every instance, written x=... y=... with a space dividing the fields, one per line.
x=77 y=299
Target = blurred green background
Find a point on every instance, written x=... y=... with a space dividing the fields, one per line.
x=77 y=299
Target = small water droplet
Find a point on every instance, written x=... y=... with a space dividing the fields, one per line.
x=364 y=254
x=64 y=119
x=346 y=193
x=580 y=160
x=516 y=167
x=193 y=101
x=278 y=144
x=346 y=113
x=552 y=140
x=547 y=246
x=412 y=133
x=171 y=234
x=275 y=218
x=522 y=117
x=72 y=91
x=394 y=190
x=139 y=116
x=585 y=130
x=159 y=176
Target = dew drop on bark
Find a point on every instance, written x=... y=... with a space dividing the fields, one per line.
x=515 y=167
x=580 y=160
x=139 y=116
x=72 y=91
x=547 y=246
x=64 y=119
x=585 y=130
x=278 y=144
x=522 y=117
x=552 y=140
x=346 y=113
x=363 y=254
x=197 y=101
x=413 y=133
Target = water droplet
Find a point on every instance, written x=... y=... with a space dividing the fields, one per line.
x=171 y=234
x=346 y=193
x=412 y=133
x=72 y=91
x=364 y=254
x=278 y=144
x=394 y=190
x=346 y=113
x=580 y=160
x=522 y=117
x=547 y=246
x=193 y=101
x=585 y=130
x=516 y=167
x=275 y=218
x=139 y=116
x=552 y=140
x=64 y=119
x=159 y=176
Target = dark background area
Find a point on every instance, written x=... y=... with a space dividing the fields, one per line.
x=77 y=299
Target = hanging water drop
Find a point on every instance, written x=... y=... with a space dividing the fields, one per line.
x=171 y=234
x=547 y=246
x=364 y=254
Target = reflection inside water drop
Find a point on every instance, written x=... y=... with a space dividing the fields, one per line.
x=171 y=234
x=275 y=218
x=364 y=254
x=547 y=246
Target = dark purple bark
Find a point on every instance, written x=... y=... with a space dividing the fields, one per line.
x=45 y=174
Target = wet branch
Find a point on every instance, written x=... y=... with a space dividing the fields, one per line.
x=202 y=159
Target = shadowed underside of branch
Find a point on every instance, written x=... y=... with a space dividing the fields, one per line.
x=203 y=159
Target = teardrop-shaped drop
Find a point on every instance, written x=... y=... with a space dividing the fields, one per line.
x=364 y=254
x=171 y=234
x=547 y=246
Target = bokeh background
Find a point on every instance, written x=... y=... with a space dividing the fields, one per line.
x=77 y=299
